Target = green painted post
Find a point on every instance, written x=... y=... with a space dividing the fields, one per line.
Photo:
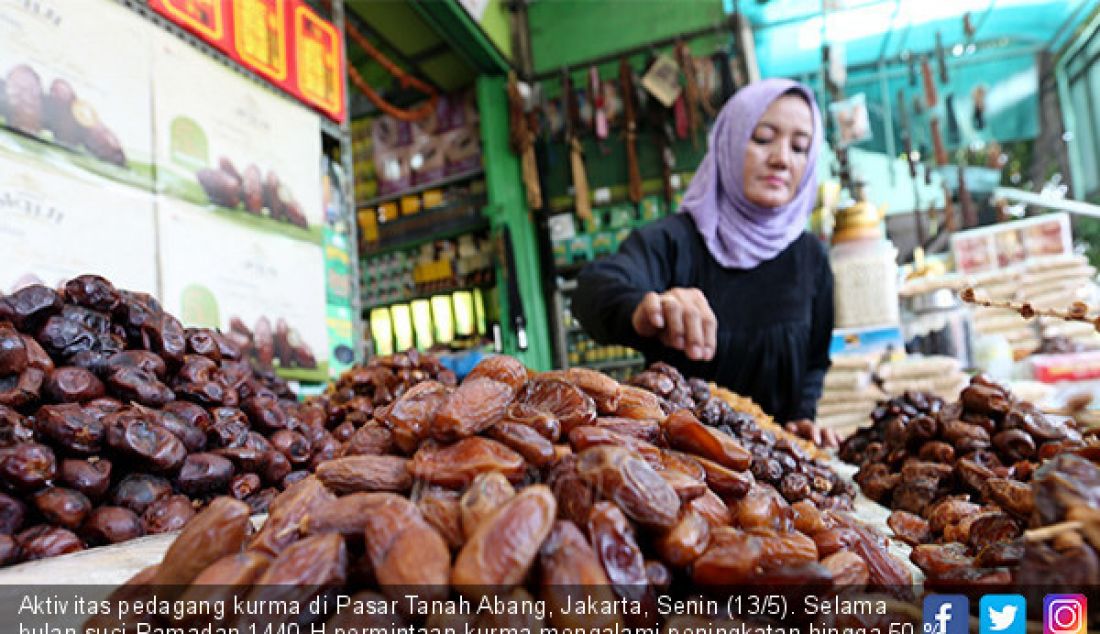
x=508 y=207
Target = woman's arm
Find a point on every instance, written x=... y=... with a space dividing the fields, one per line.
x=610 y=289
x=821 y=335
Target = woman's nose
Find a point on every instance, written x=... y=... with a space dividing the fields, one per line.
x=779 y=156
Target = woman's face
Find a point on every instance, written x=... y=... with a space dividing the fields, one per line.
x=778 y=151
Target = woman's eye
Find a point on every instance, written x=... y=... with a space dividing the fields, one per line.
x=761 y=139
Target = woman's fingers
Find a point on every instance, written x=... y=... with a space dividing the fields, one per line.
x=682 y=319
x=673 y=335
x=648 y=318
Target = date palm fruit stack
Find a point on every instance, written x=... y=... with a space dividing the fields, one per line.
x=116 y=422
x=969 y=481
x=521 y=485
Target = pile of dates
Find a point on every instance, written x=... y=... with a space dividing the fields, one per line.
x=117 y=422
x=778 y=460
x=523 y=485
x=964 y=478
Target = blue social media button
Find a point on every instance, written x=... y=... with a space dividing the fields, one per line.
x=946 y=614
x=1003 y=614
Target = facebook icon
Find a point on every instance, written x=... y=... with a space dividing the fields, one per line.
x=946 y=614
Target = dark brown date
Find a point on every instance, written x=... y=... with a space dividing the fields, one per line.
x=293 y=445
x=909 y=528
x=571 y=570
x=617 y=550
x=169 y=513
x=28 y=467
x=73 y=385
x=218 y=531
x=139 y=360
x=353 y=474
x=346 y=515
x=75 y=429
x=135 y=384
x=51 y=541
x=138 y=490
x=244 y=485
x=728 y=484
x=370 y=439
x=276 y=468
x=204 y=473
x=111 y=525
x=12 y=514
x=132 y=434
x=305 y=570
x=63 y=507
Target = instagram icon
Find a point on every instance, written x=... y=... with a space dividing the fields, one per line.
x=1064 y=614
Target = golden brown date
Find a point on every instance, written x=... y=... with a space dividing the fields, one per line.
x=622 y=477
x=712 y=508
x=487 y=493
x=406 y=551
x=847 y=569
x=501 y=551
x=731 y=558
x=604 y=390
x=458 y=464
x=909 y=528
x=561 y=399
x=586 y=436
x=639 y=404
x=574 y=495
x=507 y=370
x=762 y=507
x=216 y=532
x=371 y=439
x=353 y=474
x=346 y=515
x=685 y=432
x=307 y=569
x=571 y=573
x=617 y=549
x=230 y=577
x=545 y=423
x=784 y=549
x=728 y=484
x=808 y=519
x=525 y=441
x=287 y=513
x=645 y=430
x=441 y=508
x=410 y=416
x=476 y=405
x=686 y=541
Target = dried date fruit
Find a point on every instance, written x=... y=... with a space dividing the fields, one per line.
x=346 y=515
x=193 y=438
x=909 y=528
x=458 y=464
x=731 y=558
x=132 y=435
x=646 y=430
x=937 y=451
x=204 y=473
x=986 y=400
x=441 y=509
x=138 y=490
x=846 y=569
x=169 y=513
x=487 y=493
x=9 y=550
x=31 y=305
x=476 y=405
x=287 y=513
x=218 y=531
x=563 y=400
x=134 y=384
x=1000 y=554
x=264 y=413
x=686 y=541
x=604 y=390
x=624 y=478
x=63 y=507
x=1014 y=444
x=990 y=529
x=410 y=416
x=14 y=428
x=685 y=432
x=226 y=580
x=138 y=360
x=111 y=525
x=502 y=550
x=586 y=436
x=343 y=432
x=525 y=441
x=75 y=429
x=545 y=423
x=883 y=569
x=73 y=385
x=809 y=519
x=937 y=560
x=507 y=370
x=762 y=507
x=275 y=468
x=12 y=515
x=575 y=496
x=712 y=508
x=13 y=351
x=571 y=573
x=50 y=542
x=416 y=556
x=965 y=437
x=189 y=413
x=617 y=549
x=325 y=450
x=293 y=445
x=306 y=570
x=370 y=439
x=1015 y=497
x=28 y=467
x=784 y=549
x=638 y=403
x=353 y=474
x=835 y=539
x=686 y=487
x=973 y=476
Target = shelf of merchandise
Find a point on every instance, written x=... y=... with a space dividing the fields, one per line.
x=412 y=191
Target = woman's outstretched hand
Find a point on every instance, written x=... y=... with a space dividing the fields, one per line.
x=682 y=319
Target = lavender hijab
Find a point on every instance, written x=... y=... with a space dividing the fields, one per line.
x=738 y=233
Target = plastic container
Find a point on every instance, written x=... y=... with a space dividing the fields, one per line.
x=866 y=283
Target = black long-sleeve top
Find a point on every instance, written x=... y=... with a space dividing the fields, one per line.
x=775 y=321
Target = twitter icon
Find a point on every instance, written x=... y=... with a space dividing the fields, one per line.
x=1003 y=614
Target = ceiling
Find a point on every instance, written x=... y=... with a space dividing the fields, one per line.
x=790 y=33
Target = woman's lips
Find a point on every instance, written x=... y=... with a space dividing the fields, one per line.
x=774 y=181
